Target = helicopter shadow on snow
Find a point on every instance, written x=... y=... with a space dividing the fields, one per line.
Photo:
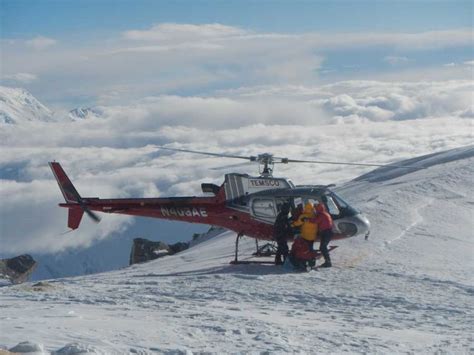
x=250 y=271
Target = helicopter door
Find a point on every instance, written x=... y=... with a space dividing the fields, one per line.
x=263 y=208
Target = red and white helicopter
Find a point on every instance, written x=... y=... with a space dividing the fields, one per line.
x=245 y=204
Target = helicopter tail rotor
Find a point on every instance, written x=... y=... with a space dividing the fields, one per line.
x=71 y=196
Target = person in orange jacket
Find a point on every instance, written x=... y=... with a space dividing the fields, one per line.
x=324 y=221
x=307 y=223
x=302 y=256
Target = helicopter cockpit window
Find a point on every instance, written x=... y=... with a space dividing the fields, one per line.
x=344 y=208
x=340 y=201
x=331 y=205
x=263 y=208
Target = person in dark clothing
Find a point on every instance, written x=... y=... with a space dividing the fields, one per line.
x=324 y=221
x=281 y=232
x=296 y=212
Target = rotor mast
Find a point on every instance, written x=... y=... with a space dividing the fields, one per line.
x=267 y=161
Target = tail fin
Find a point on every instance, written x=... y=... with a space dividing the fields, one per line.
x=70 y=195
x=67 y=188
x=74 y=217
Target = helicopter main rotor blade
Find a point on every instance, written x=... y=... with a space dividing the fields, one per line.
x=269 y=159
x=208 y=153
x=232 y=166
x=286 y=161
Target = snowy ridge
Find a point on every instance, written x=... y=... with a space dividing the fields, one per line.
x=423 y=162
x=18 y=105
x=409 y=288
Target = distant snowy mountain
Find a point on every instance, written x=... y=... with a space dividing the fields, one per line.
x=79 y=114
x=18 y=106
x=407 y=289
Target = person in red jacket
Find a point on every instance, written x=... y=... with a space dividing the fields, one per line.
x=301 y=255
x=324 y=221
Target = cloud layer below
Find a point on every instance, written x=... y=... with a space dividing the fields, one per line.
x=115 y=156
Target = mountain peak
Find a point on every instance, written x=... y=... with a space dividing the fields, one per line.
x=80 y=113
x=17 y=105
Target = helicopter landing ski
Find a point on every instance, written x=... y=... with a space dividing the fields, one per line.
x=272 y=262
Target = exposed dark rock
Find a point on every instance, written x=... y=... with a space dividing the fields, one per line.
x=17 y=269
x=146 y=250
x=177 y=247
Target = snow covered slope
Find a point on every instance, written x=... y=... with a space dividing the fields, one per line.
x=18 y=105
x=409 y=288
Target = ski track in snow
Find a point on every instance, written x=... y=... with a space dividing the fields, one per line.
x=405 y=290
x=417 y=220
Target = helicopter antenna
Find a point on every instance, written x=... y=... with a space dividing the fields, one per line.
x=267 y=161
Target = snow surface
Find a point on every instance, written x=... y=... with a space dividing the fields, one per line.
x=408 y=289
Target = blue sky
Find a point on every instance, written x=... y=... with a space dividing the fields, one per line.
x=81 y=53
x=24 y=18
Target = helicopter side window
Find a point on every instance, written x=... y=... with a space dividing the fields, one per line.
x=263 y=208
x=298 y=201
x=281 y=202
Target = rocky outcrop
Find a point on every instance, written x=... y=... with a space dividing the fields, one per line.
x=178 y=247
x=17 y=269
x=146 y=250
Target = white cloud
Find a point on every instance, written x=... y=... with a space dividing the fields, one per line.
x=398 y=40
x=381 y=101
x=352 y=121
x=177 y=33
x=170 y=58
x=41 y=42
x=20 y=78
x=396 y=60
x=31 y=204
x=470 y=62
